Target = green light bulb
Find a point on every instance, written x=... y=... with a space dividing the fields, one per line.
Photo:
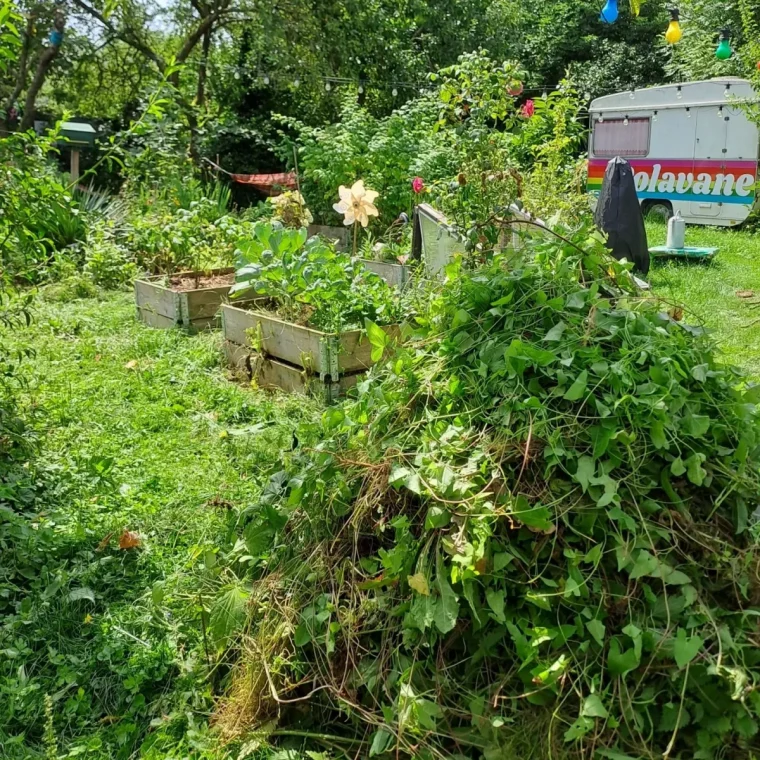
x=724 y=51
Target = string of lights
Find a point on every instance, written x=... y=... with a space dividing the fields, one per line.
x=362 y=85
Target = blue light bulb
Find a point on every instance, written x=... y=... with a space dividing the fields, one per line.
x=609 y=13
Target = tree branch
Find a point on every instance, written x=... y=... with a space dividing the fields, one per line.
x=127 y=36
x=22 y=65
x=43 y=66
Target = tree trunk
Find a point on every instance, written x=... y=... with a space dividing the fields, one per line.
x=23 y=63
x=43 y=66
x=200 y=97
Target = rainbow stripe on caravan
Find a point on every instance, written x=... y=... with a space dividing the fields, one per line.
x=685 y=180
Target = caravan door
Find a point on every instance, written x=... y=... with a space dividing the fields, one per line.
x=709 y=148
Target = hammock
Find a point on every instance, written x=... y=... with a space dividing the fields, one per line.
x=270 y=184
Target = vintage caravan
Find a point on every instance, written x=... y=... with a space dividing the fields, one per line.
x=691 y=146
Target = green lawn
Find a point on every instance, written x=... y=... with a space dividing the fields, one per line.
x=144 y=432
x=708 y=291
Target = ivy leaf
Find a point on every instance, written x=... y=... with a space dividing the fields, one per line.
x=501 y=560
x=578 y=388
x=555 y=333
x=524 y=650
x=685 y=648
x=657 y=434
x=677 y=467
x=611 y=754
x=597 y=629
x=427 y=712
x=496 y=603
x=621 y=662
x=593 y=707
x=380 y=742
x=696 y=425
x=447 y=606
x=535 y=518
x=579 y=729
x=576 y=300
x=585 y=471
x=644 y=564
x=378 y=339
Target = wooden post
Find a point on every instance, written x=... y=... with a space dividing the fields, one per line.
x=74 y=165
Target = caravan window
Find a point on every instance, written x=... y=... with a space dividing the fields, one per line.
x=613 y=137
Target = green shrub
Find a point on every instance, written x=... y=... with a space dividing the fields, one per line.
x=107 y=263
x=70 y=289
x=463 y=124
x=38 y=214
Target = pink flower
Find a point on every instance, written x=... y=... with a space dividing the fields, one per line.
x=515 y=90
x=528 y=109
x=418 y=184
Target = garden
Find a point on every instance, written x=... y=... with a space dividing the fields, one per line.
x=329 y=425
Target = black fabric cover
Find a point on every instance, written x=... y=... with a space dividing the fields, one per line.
x=618 y=213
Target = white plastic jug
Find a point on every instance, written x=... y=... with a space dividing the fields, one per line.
x=676 y=232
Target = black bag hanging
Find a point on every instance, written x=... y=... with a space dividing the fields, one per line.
x=618 y=214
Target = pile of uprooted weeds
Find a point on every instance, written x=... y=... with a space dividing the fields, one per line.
x=529 y=535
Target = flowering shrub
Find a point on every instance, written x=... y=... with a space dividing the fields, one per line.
x=290 y=209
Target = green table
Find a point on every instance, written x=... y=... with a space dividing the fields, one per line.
x=699 y=254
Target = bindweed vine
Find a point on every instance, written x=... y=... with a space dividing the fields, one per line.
x=528 y=535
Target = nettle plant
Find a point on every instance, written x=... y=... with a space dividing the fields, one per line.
x=305 y=280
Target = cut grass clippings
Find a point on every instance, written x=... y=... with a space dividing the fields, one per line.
x=150 y=455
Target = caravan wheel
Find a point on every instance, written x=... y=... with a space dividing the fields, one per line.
x=659 y=211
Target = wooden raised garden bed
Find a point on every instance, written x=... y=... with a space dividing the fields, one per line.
x=294 y=358
x=166 y=302
x=396 y=275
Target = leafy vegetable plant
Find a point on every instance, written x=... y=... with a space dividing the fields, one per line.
x=305 y=280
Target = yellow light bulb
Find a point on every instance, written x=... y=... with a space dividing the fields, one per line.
x=674 y=33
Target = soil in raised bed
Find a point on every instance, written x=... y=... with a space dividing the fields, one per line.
x=185 y=283
x=299 y=315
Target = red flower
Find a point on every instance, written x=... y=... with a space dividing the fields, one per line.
x=528 y=109
x=418 y=184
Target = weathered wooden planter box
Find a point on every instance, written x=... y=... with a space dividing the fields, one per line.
x=159 y=305
x=299 y=359
x=397 y=275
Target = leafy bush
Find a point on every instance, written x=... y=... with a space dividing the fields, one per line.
x=108 y=263
x=195 y=238
x=69 y=289
x=38 y=214
x=308 y=282
x=548 y=147
x=462 y=125
x=529 y=530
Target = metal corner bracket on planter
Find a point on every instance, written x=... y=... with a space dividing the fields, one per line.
x=294 y=358
x=159 y=305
